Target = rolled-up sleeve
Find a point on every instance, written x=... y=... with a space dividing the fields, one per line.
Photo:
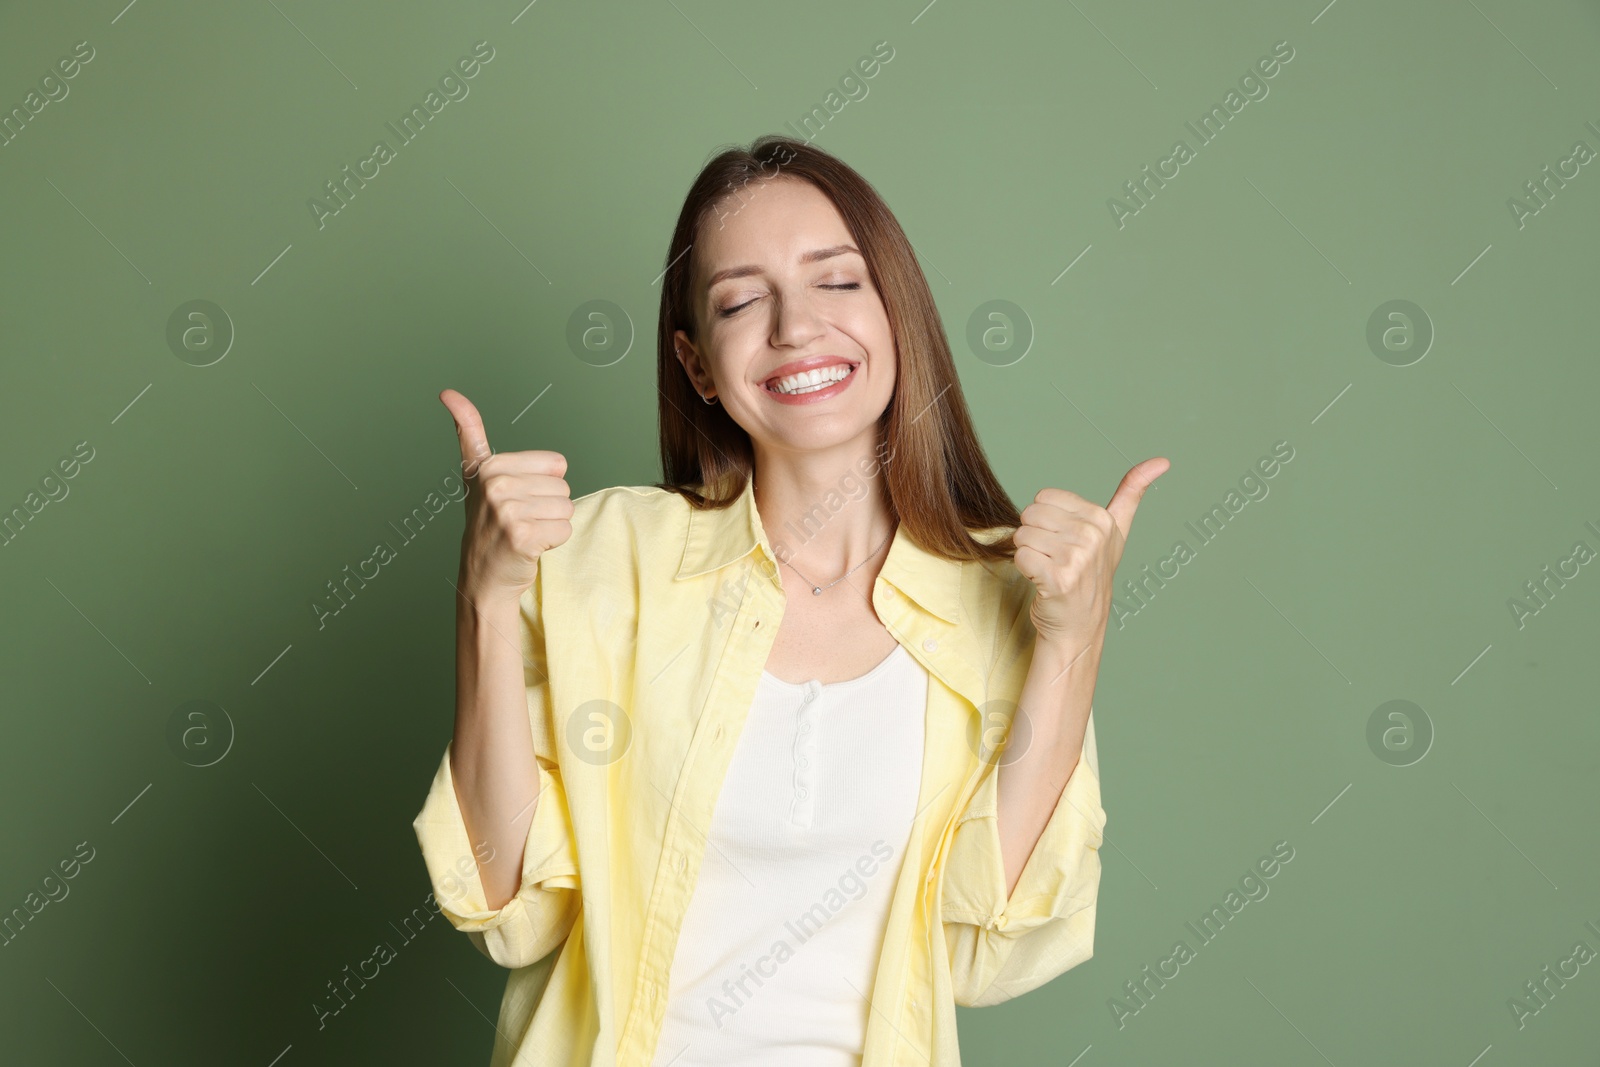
x=1001 y=948
x=538 y=918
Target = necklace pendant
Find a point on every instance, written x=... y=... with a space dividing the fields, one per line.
x=816 y=590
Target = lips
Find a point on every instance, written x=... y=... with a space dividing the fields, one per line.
x=809 y=363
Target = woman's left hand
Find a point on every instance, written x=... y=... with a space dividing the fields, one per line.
x=1070 y=548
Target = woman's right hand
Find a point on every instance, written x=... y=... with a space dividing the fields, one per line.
x=519 y=506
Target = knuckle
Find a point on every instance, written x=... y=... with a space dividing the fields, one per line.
x=545 y=462
x=524 y=536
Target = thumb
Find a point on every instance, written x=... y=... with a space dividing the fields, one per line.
x=469 y=428
x=1125 y=501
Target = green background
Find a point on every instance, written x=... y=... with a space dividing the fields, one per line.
x=1226 y=316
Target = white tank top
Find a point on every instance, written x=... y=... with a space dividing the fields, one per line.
x=779 y=947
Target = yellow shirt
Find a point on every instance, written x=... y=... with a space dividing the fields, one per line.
x=645 y=635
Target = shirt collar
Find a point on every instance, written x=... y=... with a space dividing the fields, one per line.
x=718 y=537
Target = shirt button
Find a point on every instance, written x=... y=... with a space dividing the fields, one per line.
x=805 y=727
x=803 y=761
x=929 y=645
x=801 y=793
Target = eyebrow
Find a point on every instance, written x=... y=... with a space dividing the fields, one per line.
x=816 y=255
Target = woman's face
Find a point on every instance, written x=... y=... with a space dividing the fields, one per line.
x=779 y=288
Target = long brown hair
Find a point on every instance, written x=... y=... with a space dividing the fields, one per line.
x=939 y=484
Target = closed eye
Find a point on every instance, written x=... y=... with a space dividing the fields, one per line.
x=725 y=312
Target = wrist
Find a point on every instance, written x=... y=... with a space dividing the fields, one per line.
x=484 y=595
x=1061 y=651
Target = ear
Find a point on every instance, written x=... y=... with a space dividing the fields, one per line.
x=689 y=356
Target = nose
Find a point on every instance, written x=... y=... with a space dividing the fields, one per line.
x=796 y=323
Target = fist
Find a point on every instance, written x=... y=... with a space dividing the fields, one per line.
x=519 y=506
x=1070 y=547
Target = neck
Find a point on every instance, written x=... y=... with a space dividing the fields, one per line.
x=824 y=516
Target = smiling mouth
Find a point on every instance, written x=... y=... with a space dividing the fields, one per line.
x=810 y=381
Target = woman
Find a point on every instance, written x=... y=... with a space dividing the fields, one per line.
x=725 y=783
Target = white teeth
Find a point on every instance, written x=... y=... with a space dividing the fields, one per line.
x=811 y=381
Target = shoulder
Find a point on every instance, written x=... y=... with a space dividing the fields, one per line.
x=619 y=540
x=628 y=506
x=618 y=525
x=997 y=584
x=1001 y=598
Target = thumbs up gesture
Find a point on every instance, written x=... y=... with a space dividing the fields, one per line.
x=518 y=508
x=1070 y=548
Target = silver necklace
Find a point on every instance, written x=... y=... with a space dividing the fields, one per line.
x=816 y=590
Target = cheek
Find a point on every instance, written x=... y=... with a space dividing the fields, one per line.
x=731 y=361
x=870 y=330
x=883 y=347
x=885 y=369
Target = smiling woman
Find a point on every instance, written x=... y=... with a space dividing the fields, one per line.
x=699 y=725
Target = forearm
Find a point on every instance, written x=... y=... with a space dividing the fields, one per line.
x=1055 y=701
x=491 y=754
